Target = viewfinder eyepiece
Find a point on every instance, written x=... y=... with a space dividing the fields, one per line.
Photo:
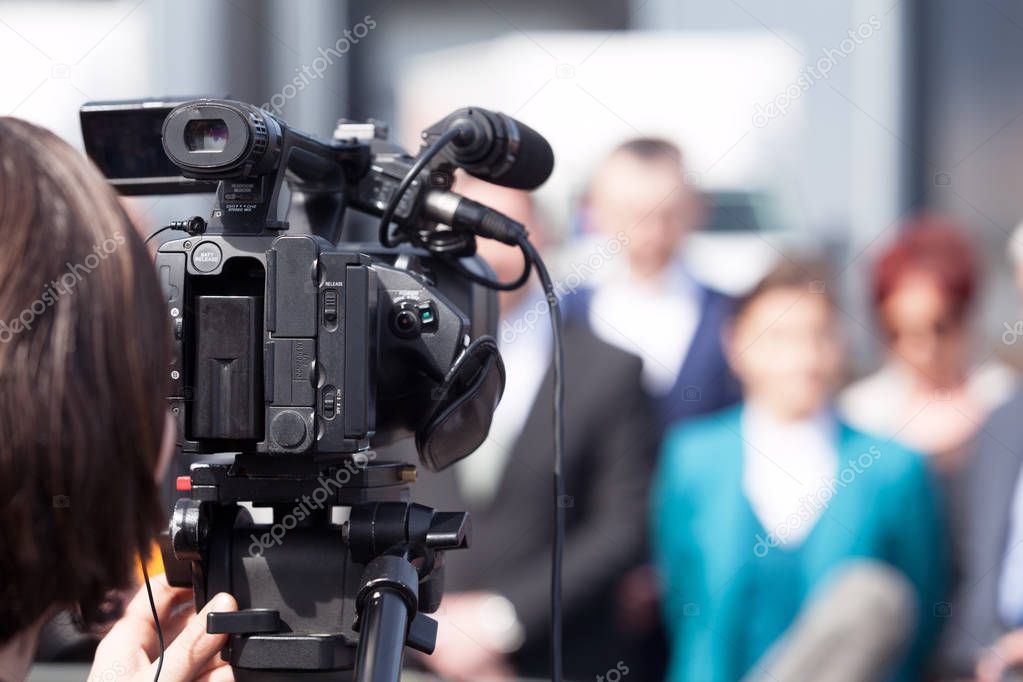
x=206 y=135
x=221 y=139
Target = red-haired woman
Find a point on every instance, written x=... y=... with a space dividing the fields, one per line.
x=929 y=394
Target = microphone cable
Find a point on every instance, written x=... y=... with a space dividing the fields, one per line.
x=558 y=545
x=384 y=231
x=494 y=225
x=156 y=619
x=512 y=232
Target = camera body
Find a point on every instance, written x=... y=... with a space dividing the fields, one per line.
x=288 y=344
x=289 y=340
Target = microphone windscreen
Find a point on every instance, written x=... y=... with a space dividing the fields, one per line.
x=534 y=161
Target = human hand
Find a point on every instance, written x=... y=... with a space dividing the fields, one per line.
x=638 y=601
x=463 y=652
x=1004 y=657
x=129 y=651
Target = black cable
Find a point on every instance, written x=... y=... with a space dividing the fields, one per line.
x=559 y=455
x=194 y=226
x=527 y=269
x=162 y=229
x=532 y=259
x=156 y=618
x=421 y=162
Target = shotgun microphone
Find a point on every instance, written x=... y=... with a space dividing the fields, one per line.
x=496 y=148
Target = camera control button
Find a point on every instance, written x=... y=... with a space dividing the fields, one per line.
x=206 y=257
x=288 y=429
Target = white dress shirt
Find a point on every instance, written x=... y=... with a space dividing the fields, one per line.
x=884 y=404
x=524 y=339
x=1010 y=584
x=655 y=320
x=785 y=467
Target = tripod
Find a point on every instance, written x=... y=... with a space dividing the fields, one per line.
x=317 y=599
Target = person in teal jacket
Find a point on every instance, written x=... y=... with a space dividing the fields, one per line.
x=756 y=507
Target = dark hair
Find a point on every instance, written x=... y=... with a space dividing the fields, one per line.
x=935 y=246
x=84 y=351
x=651 y=149
x=790 y=273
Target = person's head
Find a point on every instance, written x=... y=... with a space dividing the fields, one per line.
x=783 y=341
x=923 y=288
x=505 y=260
x=84 y=354
x=639 y=191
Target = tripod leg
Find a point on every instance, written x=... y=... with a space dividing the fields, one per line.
x=382 y=641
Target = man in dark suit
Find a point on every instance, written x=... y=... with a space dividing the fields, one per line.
x=495 y=617
x=984 y=630
x=646 y=302
x=987 y=527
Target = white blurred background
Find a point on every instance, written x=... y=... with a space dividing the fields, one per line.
x=918 y=107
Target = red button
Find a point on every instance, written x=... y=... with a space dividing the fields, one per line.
x=183 y=483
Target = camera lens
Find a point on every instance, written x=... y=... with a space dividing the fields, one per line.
x=206 y=135
x=406 y=322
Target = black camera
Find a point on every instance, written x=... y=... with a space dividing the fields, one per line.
x=297 y=352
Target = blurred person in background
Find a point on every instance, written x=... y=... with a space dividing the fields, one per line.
x=929 y=394
x=985 y=623
x=84 y=349
x=495 y=616
x=791 y=545
x=647 y=303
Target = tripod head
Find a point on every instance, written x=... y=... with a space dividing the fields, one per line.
x=315 y=597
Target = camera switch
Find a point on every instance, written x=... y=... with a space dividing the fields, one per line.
x=329 y=402
x=330 y=305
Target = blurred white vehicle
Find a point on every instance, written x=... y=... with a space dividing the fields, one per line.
x=743 y=238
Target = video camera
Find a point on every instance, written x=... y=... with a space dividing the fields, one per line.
x=297 y=352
